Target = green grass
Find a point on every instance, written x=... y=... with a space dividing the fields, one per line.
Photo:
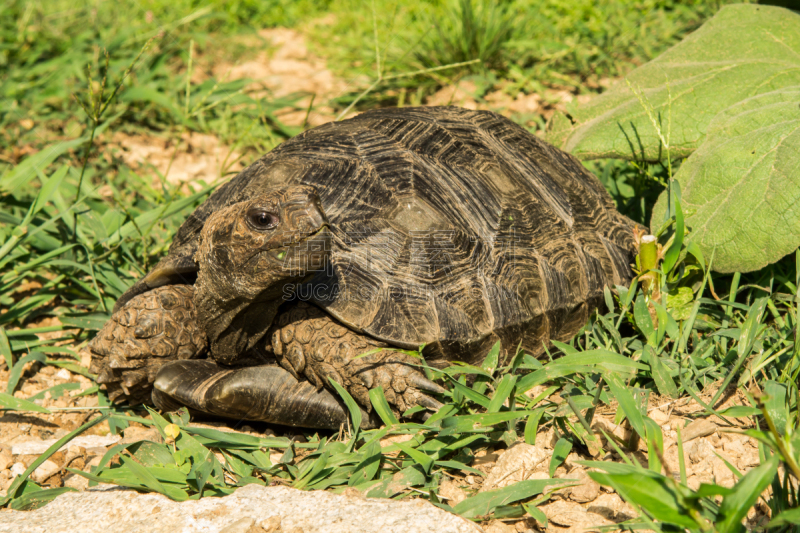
x=78 y=226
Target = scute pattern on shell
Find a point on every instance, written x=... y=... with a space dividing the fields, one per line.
x=451 y=228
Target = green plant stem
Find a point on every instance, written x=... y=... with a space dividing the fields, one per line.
x=786 y=454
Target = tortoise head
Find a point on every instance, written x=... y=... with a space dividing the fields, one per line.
x=248 y=253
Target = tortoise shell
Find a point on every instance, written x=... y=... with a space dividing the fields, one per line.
x=450 y=228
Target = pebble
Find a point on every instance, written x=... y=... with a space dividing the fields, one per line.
x=242 y=525
x=516 y=464
x=612 y=507
x=63 y=374
x=76 y=482
x=587 y=491
x=701 y=427
x=17 y=469
x=135 y=434
x=5 y=459
x=496 y=526
x=44 y=471
x=659 y=417
x=452 y=492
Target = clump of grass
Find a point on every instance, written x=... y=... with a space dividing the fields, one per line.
x=468 y=30
x=521 y=45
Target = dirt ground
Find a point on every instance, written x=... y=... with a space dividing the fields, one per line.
x=23 y=437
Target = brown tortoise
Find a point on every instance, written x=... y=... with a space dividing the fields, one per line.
x=432 y=226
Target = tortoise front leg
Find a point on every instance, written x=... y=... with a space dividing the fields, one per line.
x=308 y=342
x=151 y=329
x=265 y=393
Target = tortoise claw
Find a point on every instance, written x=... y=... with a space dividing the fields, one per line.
x=418 y=381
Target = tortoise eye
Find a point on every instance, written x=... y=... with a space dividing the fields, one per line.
x=261 y=219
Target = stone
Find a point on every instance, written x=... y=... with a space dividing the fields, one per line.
x=243 y=525
x=564 y=514
x=518 y=463
x=17 y=469
x=38 y=447
x=573 y=516
x=123 y=511
x=722 y=474
x=659 y=417
x=702 y=427
x=5 y=459
x=76 y=482
x=734 y=448
x=612 y=507
x=44 y=471
x=700 y=450
x=496 y=526
x=451 y=491
x=587 y=491
x=134 y=434
x=63 y=374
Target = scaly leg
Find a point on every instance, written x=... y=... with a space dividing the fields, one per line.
x=151 y=329
x=307 y=342
x=264 y=393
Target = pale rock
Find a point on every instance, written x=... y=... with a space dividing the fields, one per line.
x=17 y=469
x=5 y=459
x=94 y=461
x=702 y=427
x=135 y=434
x=76 y=482
x=73 y=452
x=522 y=526
x=27 y=459
x=123 y=511
x=275 y=458
x=734 y=448
x=722 y=474
x=547 y=439
x=612 y=507
x=394 y=439
x=659 y=417
x=38 y=447
x=572 y=461
x=570 y=514
x=63 y=374
x=700 y=450
x=496 y=526
x=451 y=491
x=485 y=462
x=44 y=471
x=96 y=450
x=271 y=524
x=749 y=459
x=516 y=464
x=243 y=525
x=587 y=491
x=535 y=391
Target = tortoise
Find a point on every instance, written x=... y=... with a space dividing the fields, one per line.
x=438 y=227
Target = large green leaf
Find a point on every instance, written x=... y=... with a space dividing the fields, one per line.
x=745 y=50
x=741 y=188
